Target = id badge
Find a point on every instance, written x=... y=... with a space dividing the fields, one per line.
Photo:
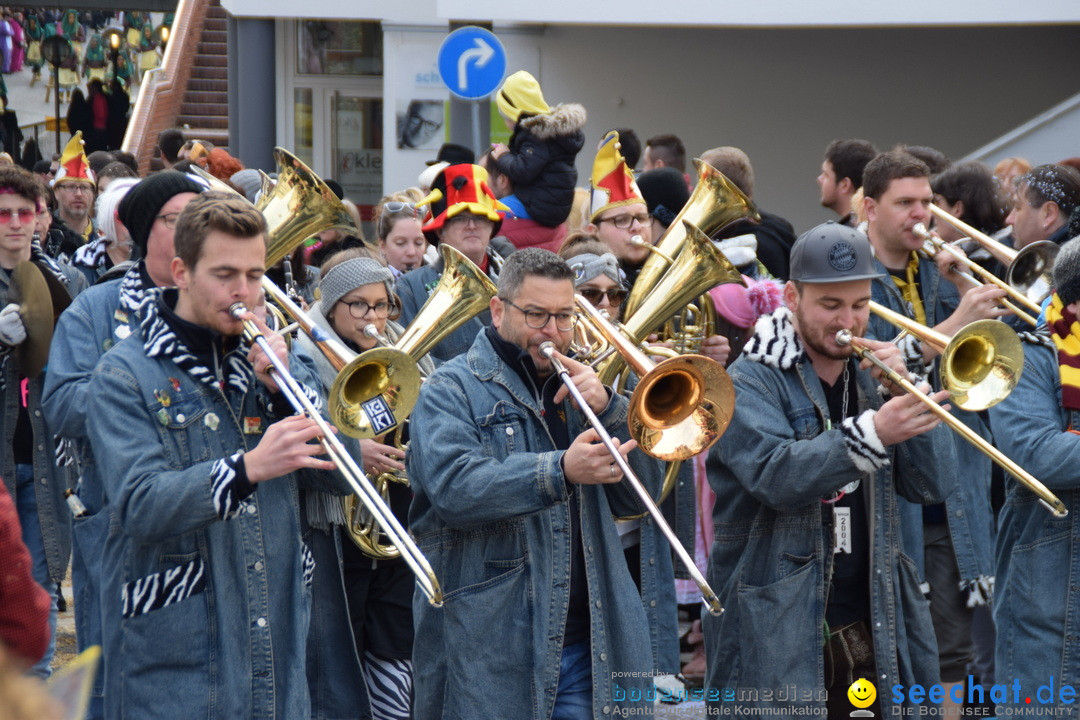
x=842 y=529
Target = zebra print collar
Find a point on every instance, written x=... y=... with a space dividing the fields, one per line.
x=775 y=342
x=160 y=340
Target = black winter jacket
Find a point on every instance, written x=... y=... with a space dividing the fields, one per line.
x=540 y=163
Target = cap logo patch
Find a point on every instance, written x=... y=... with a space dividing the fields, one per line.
x=842 y=256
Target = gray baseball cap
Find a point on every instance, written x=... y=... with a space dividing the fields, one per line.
x=832 y=252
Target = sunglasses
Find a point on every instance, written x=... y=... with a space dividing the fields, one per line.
x=25 y=215
x=396 y=207
x=615 y=296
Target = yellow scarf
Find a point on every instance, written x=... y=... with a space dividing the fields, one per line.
x=1065 y=331
x=909 y=288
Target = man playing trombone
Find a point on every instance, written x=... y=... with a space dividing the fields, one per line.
x=954 y=539
x=513 y=506
x=205 y=579
x=806 y=556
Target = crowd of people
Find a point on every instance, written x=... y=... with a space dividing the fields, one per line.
x=849 y=535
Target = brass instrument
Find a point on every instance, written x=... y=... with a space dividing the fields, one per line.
x=932 y=245
x=698 y=267
x=35 y=297
x=714 y=204
x=463 y=292
x=980 y=364
x=689 y=328
x=1047 y=498
x=298 y=206
x=292 y=391
x=663 y=402
x=1030 y=269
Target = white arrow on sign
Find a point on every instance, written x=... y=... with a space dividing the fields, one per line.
x=482 y=54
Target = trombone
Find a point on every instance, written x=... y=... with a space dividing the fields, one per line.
x=292 y=391
x=707 y=594
x=980 y=364
x=1030 y=269
x=932 y=245
x=1048 y=499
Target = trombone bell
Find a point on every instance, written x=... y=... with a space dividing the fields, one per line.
x=982 y=364
x=374 y=393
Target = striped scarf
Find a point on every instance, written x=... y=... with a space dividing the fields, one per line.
x=1065 y=332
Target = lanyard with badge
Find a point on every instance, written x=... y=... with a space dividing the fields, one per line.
x=842 y=514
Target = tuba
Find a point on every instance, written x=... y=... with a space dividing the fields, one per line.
x=463 y=292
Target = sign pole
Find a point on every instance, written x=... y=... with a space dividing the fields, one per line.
x=476 y=128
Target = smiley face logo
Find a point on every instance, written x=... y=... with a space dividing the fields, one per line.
x=862 y=693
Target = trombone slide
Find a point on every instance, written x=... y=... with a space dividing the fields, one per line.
x=707 y=594
x=1047 y=498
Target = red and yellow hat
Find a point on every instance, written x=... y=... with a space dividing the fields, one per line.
x=612 y=181
x=73 y=164
x=458 y=189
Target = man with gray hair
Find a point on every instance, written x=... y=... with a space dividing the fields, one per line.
x=774 y=234
x=513 y=506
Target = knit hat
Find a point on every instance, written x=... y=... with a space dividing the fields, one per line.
x=612 y=181
x=143 y=202
x=349 y=275
x=520 y=93
x=74 y=166
x=1067 y=272
x=587 y=266
x=458 y=189
x=742 y=306
x=665 y=193
x=249 y=181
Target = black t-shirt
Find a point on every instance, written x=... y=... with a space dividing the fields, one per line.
x=849 y=591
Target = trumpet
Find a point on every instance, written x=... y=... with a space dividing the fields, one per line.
x=932 y=245
x=1050 y=501
x=292 y=391
x=707 y=594
x=1030 y=269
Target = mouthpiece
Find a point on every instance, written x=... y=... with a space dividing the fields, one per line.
x=371 y=331
x=843 y=338
x=920 y=230
x=637 y=241
x=547 y=349
x=237 y=310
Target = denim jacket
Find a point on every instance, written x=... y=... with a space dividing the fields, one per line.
x=773 y=545
x=414 y=288
x=50 y=480
x=490 y=513
x=206 y=582
x=970 y=518
x=1038 y=563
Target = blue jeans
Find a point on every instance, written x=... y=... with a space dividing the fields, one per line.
x=26 y=504
x=573 y=700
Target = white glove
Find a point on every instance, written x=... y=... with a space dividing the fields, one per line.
x=12 y=331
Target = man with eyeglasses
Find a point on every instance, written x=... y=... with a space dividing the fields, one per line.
x=463 y=213
x=97 y=320
x=513 y=506
x=74 y=187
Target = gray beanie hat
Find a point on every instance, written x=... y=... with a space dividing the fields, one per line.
x=831 y=253
x=249 y=181
x=1067 y=272
x=348 y=276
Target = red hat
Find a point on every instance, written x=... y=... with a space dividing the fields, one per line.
x=458 y=189
x=73 y=164
x=612 y=181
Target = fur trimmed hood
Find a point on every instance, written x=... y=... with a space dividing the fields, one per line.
x=564 y=119
x=775 y=342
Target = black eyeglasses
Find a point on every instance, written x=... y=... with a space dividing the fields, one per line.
x=624 y=222
x=538 y=319
x=359 y=309
x=615 y=296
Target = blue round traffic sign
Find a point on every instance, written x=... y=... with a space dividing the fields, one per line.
x=472 y=62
